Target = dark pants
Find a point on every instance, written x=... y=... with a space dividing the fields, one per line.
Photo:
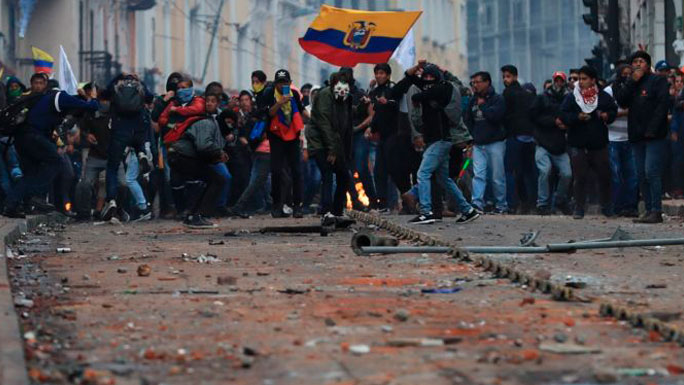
x=255 y=195
x=200 y=200
x=341 y=171
x=285 y=154
x=597 y=160
x=40 y=163
x=240 y=166
x=649 y=157
x=125 y=132
x=521 y=174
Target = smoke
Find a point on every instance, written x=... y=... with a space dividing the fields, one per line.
x=26 y=7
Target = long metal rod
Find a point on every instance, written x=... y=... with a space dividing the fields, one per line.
x=213 y=37
x=551 y=248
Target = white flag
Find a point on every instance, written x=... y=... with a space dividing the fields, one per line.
x=65 y=76
x=405 y=54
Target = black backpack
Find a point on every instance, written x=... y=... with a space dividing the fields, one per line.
x=129 y=96
x=15 y=116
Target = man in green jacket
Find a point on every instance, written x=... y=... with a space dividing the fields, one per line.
x=329 y=137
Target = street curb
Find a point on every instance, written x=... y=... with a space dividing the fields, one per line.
x=13 y=369
x=673 y=210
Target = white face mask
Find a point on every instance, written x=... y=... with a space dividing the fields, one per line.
x=341 y=91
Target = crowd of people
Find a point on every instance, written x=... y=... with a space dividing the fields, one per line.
x=426 y=145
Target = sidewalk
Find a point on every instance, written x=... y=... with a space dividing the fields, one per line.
x=674 y=208
x=12 y=362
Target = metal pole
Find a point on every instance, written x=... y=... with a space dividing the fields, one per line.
x=551 y=248
x=213 y=37
x=560 y=247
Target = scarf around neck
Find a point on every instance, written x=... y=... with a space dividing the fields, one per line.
x=286 y=108
x=586 y=99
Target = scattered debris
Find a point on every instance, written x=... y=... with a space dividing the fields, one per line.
x=330 y=322
x=64 y=250
x=527 y=301
x=292 y=291
x=444 y=290
x=657 y=286
x=402 y=315
x=122 y=270
x=216 y=243
x=226 y=280
x=144 y=270
x=424 y=342
x=359 y=349
x=560 y=337
x=208 y=258
x=568 y=348
x=23 y=302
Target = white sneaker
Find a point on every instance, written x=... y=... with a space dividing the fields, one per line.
x=109 y=210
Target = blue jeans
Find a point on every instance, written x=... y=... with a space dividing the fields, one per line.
x=623 y=176
x=132 y=181
x=649 y=157
x=125 y=132
x=545 y=163
x=222 y=170
x=488 y=166
x=436 y=161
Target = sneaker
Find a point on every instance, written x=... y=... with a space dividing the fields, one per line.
x=328 y=219
x=143 y=215
x=479 y=210
x=384 y=211
x=122 y=215
x=287 y=210
x=297 y=212
x=579 y=214
x=279 y=213
x=423 y=219
x=198 y=222
x=501 y=211
x=468 y=217
x=144 y=163
x=108 y=210
x=40 y=205
x=543 y=210
x=15 y=212
x=651 y=218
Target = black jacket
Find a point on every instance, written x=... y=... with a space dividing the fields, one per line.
x=485 y=122
x=385 y=120
x=648 y=101
x=518 y=103
x=593 y=133
x=433 y=100
x=544 y=112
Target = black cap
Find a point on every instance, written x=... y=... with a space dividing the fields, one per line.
x=643 y=55
x=282 y=75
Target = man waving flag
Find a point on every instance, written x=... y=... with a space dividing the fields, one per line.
x=347 y=37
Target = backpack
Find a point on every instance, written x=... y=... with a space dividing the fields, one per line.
x=129 y=96
x=15 y=116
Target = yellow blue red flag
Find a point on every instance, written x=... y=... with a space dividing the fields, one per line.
x=42 y=61
x=347 y=37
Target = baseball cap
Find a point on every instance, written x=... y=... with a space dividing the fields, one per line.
x=662 y=65
x=560 y=74
x=282 y=75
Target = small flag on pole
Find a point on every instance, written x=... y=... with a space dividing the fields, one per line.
x=42 y=61
x=65 y=76
x=347 y=37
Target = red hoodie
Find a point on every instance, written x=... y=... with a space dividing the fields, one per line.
x=192 y=112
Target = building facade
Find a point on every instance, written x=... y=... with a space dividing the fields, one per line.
x=221 y=40
x=539 y=37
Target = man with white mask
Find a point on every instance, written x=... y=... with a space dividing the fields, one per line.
x=329 y=138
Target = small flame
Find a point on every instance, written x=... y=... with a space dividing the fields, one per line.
x=349 y=202
x=361 y=193
x=67 y=206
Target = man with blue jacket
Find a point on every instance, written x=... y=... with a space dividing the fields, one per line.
x=484 y=118
x=35 y=143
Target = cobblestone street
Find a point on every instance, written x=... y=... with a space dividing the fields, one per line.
x=155 y=303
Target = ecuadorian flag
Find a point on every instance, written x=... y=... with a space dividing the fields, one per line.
x=42 y=61
x=347 y=37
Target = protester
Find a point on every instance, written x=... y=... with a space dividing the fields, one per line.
x=440 y=104
x=586 y=112
x=521 y=173
x=284 y=124
x=648 y=99
x=329 y=138
x=622 y=167
x=551 y=151
x=484 y=117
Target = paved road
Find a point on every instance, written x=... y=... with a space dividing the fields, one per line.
x=303 y=309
